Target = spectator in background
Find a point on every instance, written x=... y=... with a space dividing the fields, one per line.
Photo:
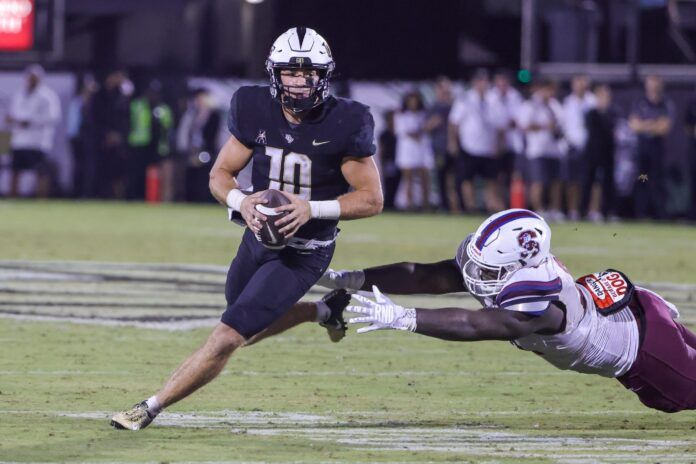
x=386 y=147
x=80 y=131
x=112 y=123
x=690 y=122
x=151 y=121
x=509 y=101
x=436 y=125
x=475 y=121
x=540 y=119
x=575 y=106
x=32 y=118
x=196 y=140
x=651 y=119
x=598 y=168
x=414 y=155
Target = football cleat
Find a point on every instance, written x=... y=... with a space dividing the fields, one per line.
x=335 y=325
x=136 y=418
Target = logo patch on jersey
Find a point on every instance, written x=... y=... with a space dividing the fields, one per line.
x=611 y=290
x=289 y=138
x=527 y=240
x=316 y=144
x=261 y=138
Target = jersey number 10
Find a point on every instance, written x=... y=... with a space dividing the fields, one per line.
x=290 y=173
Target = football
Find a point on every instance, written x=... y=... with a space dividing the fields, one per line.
x=270 y=235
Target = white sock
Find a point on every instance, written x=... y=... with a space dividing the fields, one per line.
x=153 y=405
x=323 y=311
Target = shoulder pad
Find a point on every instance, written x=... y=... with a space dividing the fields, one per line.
x=362 y=142
x=530 y=290
x=245 y=100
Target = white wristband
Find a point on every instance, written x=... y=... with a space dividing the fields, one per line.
x=329 y=209
x=234 y=199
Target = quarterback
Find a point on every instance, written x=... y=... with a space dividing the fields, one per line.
x=598 y=324
x=318 y=150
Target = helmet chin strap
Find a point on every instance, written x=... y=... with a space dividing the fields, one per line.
x=300 y=105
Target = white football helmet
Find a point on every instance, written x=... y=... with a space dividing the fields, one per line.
x=300 y=48
x=505 y=242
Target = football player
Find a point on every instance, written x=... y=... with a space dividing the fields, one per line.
x=313 y=147
x=599 y=324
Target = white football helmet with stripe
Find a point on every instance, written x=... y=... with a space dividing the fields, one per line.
x=503 y=243
x=300 y=48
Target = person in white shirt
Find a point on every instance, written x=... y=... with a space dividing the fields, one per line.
x=414 y=156
x=575 y=107
x=475 y=123
x=599 y=324
x=540 y=118
x=32 y=118
x=510 y=100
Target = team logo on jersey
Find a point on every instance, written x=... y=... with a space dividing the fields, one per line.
x=289 y=138
x=527 y=240
x=261 y=138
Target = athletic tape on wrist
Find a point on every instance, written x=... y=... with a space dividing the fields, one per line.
x=234 y=199
x=329 y=209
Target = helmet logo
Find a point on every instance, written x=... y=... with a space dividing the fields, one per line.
x=527 y=240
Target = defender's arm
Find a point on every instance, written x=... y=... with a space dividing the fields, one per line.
x=411 y=278
x=400 y=278
x=453 y=323
x=488 y=324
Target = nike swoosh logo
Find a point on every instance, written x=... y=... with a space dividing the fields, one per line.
x=316 y=144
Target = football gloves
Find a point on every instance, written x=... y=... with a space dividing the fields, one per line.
x=382 y=314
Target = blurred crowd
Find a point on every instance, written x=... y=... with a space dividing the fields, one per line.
x=571 y=158
x=478 y=148
x=127 y=142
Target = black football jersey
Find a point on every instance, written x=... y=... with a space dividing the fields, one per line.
x=304 y=159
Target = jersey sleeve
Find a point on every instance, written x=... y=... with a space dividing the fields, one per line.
x=530 y=291
x=362 y=143
x=233 y=123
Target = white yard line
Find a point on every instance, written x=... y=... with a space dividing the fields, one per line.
x=374 y=436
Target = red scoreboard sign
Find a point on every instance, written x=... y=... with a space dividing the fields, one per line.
x=16 y=25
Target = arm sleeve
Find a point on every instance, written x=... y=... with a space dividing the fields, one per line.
x=233 y=123
x=362 y=143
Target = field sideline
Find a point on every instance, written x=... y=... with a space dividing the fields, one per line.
x=384 y=397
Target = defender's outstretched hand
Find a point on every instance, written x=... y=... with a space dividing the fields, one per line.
x=382 y=313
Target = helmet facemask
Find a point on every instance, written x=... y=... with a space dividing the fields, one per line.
x=300 y=98
x=483 y=279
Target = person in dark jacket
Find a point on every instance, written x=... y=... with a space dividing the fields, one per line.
x=598 y=178
x=111 y=113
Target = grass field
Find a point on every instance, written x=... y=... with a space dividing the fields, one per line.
x=88 y=291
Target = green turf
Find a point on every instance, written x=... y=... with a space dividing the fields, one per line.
x=398 y=386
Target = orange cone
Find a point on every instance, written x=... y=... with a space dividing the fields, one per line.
x=517 y=198
x=152 y=184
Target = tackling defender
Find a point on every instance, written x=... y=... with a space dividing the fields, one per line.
x=599 y=324
x=314 y=148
